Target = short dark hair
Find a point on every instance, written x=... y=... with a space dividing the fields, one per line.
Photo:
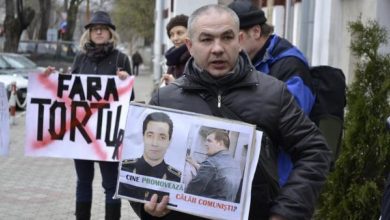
x=266 y=29
x=158 y=117
x=221 y=135
x=207 y=8
x=178 y=20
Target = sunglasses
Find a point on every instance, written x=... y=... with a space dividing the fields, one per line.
x=99 y=28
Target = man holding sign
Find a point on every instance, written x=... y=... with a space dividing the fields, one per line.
x=220 y=80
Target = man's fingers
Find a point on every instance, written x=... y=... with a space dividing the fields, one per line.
x=151 y=205
x=49 y=70
x=157 y=209
x=122 y=74
x=162 y=206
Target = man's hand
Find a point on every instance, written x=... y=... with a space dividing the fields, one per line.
x=191 y=161
x=157 y=209
x=122 y=74
x=49 y=70
x=167 y=78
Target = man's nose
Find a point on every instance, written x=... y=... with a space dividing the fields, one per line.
x=217 y=47
x=155 y=141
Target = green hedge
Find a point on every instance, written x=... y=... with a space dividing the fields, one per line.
x=354 y=190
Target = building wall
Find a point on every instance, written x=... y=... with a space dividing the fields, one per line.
x=176 y=7
x=322 y=33
x=384 y=20
x=332 y=39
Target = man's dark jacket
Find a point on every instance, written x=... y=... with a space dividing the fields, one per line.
x=264 y=101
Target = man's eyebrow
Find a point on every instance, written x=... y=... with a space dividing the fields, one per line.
x=227 y=32
x=203 y=34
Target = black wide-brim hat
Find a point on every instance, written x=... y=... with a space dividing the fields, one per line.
x=100 y=17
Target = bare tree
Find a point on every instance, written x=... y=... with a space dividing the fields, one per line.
x=72 y=11
x=14 y=25
x=135 y=17
x=45 y=8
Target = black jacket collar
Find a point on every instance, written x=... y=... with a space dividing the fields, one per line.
x=244 y=75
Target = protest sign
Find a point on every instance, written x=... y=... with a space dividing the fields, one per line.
x=76 y=116
x=204 y=164
x=4 y=121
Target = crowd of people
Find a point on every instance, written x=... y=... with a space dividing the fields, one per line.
x=231 y=55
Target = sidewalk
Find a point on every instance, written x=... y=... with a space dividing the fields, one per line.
x=44 y=188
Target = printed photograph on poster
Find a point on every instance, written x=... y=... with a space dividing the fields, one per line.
x=76 y=116
x=201 y=162
x=4 y=121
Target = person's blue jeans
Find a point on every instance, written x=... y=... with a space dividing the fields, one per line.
x=85 y=173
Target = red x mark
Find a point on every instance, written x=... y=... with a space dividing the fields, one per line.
x=98 y=149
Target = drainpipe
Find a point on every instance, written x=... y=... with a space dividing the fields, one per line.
x=157 y=41
x=288 y=21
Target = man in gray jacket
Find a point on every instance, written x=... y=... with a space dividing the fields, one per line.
x=219 y=176
x=220 y=77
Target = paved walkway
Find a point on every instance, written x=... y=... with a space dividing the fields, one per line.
x=44 y=188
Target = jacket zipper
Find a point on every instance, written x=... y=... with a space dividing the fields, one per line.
x=219 y=100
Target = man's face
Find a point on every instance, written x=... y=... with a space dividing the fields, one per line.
x=215 y=43
x=213 y=146
x=156 y=140
x=248 y=41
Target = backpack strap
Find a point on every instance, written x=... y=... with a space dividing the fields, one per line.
x=269 y=59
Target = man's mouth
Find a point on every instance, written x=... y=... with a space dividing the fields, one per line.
x=218 y=64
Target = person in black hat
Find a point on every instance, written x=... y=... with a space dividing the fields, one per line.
x=277 y=57
x=98 y=56
x=178 y=55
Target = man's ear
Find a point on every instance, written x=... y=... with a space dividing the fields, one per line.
x=188 y=43
x=240 y=37
x=256 y=30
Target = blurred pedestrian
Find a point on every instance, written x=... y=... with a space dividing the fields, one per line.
x=137 y=61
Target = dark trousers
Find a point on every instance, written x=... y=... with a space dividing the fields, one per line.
x=135 y=69
x=85 y=173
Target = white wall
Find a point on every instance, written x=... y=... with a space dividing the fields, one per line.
x=322 y=19
x=297 y=23
x=189 y=6
x=275 y=17
x=351 y=10
x=384 y=20
x=182 y=7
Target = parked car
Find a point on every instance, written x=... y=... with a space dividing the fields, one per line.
x=21 y=87
x=17 y=64
x=59 y=54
